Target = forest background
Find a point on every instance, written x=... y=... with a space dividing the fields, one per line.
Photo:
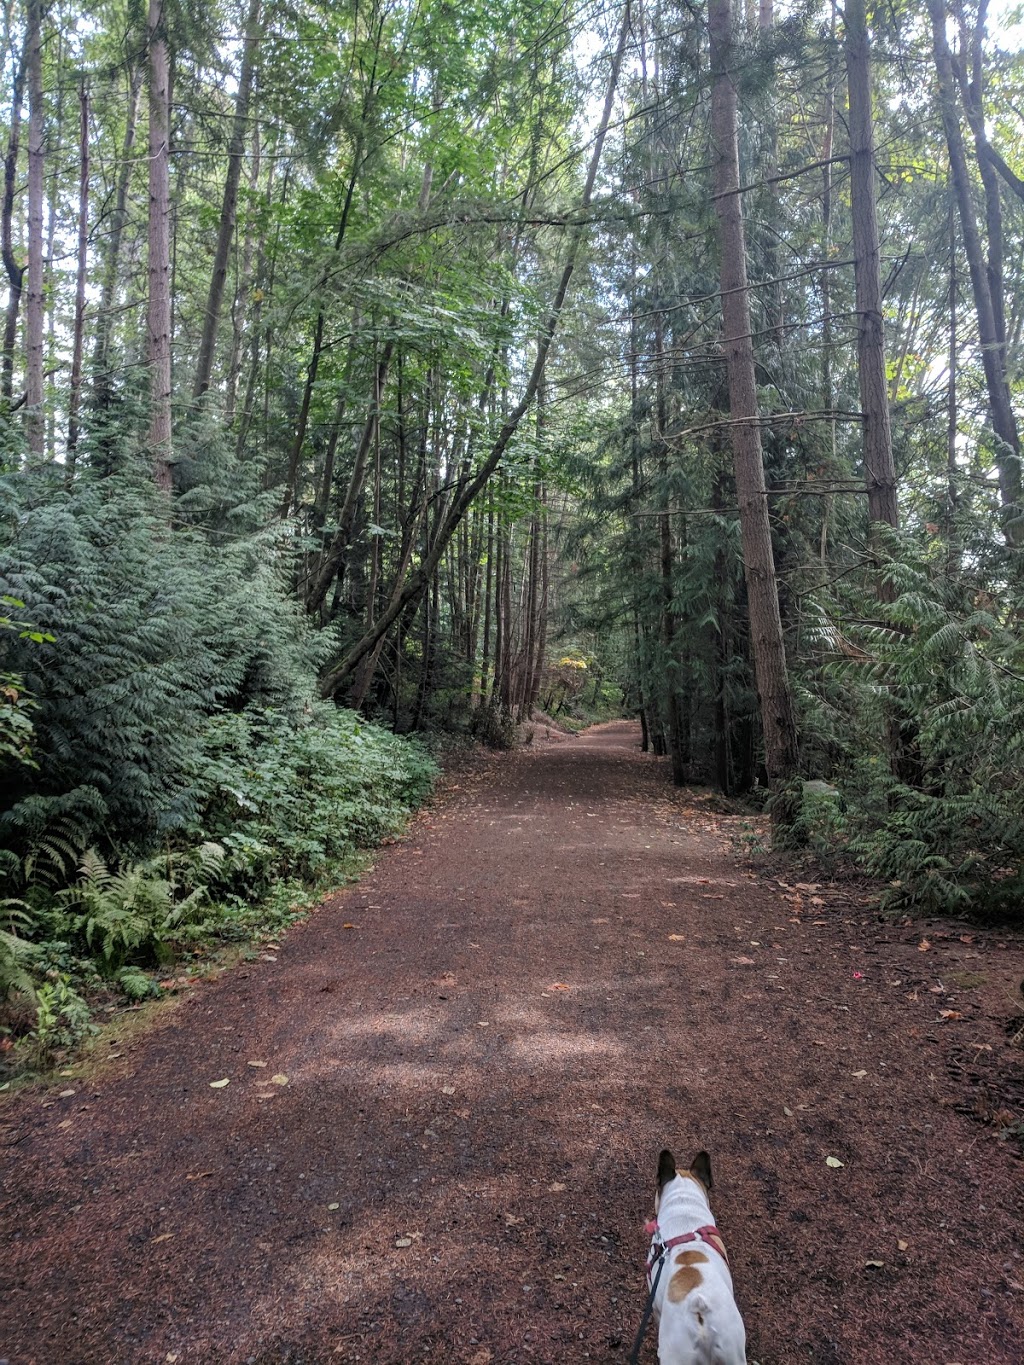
x=382 y=368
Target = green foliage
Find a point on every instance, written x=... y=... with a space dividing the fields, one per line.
x=919 y=718
x=63 y=1018
x=289 y=801
x=153 y=632
x=185 y=786
x=132 y=912
x=18 y=956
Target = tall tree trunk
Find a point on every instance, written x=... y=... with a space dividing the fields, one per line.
x=102 y=379
x=229 y=203
x=158 y=317
x=243 y=290
x=972 y=86
x=75 y=396
x=953 y=546
x=333 y=566
x=291 y=482
x=777 y=715
x=485 y=658
x=879 y=469
x=993 y=357
x=673 y=664
x=35 y=425
x=15 y=272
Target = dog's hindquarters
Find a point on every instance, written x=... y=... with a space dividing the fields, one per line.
x=698 y=1335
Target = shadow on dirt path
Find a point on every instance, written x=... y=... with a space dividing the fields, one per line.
x=448 y=1090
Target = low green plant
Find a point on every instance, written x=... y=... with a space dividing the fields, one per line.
x=125 y=913
x=17 y=960
x=63 y=1018
x=291 y=801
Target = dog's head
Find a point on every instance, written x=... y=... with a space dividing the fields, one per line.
x=699 y=1169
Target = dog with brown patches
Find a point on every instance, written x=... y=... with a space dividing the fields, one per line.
x=698 y=1321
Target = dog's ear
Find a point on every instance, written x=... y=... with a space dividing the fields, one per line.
x=701 y=1168
x=666 y=1168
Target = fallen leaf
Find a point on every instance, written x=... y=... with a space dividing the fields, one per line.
x=787 y=1111
x=966 y=938
x=403 y=1242
x=350 y=926
x=950 y=1014
x=742 y=961
x=877 y=1265
x=858 y=1074
x=923 y=946
x=677 y=938
x=256 y=1064
x=559 y=986
x=834 y=1162
x=901 y=1244
x=164 y=1237
x=67 y=1094
x=556 y=1187
x=219 y=1085
x=279 y=1079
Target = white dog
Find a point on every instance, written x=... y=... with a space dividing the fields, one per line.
x=698 y=1321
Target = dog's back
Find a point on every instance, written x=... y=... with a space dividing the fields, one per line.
x=697 y=1331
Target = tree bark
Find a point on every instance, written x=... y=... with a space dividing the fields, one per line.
x=35 y=426
x=102 y=380
x=972 y=86
x=78 y=345
x=777 y=715
x=333 y=566
x=879 y=469
x=993 y=356
x=158 y=350
x=666 y=559
x=243 y=289
x=229 y=203
x=15 y=272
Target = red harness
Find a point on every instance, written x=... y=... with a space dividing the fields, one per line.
x=708 y=1234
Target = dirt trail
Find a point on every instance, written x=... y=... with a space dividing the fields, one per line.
x=560 y=969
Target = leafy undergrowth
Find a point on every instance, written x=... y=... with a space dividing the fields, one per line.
x=290 y=812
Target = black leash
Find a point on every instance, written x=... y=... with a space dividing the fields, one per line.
x=648 y=1309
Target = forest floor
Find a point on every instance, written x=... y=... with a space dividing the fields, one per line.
x=447 y=1090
